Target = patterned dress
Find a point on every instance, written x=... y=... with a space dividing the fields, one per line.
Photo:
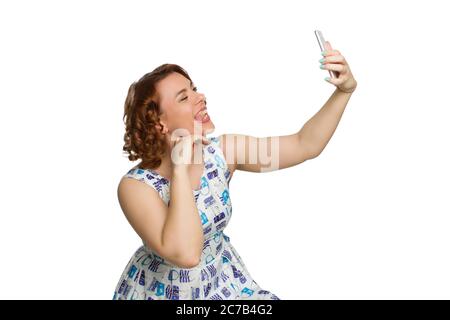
x=221 y=273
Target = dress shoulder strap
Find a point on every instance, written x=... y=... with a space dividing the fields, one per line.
x=219 y=157
x=159 y=183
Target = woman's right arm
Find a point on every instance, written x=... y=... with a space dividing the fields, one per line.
x=174 y=232
x=183 y=231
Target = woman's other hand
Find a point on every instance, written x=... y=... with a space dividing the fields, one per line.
x=333 y=60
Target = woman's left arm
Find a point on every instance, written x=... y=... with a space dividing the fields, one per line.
x=254 y=154
x=318 y=130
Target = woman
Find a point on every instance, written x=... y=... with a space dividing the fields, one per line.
x=179 y=206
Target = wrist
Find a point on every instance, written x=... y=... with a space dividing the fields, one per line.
x=349 y=91
x=178 y=169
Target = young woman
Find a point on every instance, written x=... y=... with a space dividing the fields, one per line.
x=180 y=207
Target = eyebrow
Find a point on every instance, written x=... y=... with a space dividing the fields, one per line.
x=183 y=90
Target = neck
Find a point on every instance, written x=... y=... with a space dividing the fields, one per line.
x=167 y=164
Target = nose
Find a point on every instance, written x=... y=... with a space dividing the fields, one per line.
x=202 y=98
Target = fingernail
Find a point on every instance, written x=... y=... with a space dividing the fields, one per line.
x=323 y=53
x=322 y=66
x=327 y=78
x=322 y=60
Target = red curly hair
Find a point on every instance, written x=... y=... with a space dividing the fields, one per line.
x=141 y=114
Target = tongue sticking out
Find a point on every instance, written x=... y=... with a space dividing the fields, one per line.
x=199 y=117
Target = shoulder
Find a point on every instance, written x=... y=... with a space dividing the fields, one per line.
x=147 y=179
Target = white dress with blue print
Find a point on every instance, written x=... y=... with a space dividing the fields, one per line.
x=221 y=273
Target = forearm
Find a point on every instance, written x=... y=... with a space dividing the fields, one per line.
x=318 y=130
x=182 y=230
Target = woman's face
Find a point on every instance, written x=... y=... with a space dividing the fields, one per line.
x=182 y=107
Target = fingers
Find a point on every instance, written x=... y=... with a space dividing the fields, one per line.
x=337 y=81
x=334 y=67
x=197 y=138
x=333 y=59
x=205 y=140
x=331 y=52
x=178 y=139
x=183 y=140
x=191 y=139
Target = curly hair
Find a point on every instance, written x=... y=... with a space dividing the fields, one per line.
x=142 y=138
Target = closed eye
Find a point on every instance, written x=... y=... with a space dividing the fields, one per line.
x=195 y=89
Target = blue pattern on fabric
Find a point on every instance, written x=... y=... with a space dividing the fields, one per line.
x=221 y=273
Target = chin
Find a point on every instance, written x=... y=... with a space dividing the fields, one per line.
x=208 y=128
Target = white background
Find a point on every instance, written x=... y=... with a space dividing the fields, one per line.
x=367 y=219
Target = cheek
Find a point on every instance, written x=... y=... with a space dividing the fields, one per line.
x=181 y=119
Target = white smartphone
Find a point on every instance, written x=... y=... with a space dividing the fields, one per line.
x=321 y=41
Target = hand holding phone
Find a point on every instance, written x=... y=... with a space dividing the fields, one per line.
x=321 y=41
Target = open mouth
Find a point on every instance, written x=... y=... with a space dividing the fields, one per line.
x=202 y=116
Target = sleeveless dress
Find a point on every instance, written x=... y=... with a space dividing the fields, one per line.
x=221 y=273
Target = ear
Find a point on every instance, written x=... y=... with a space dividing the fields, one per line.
x=161 y=126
